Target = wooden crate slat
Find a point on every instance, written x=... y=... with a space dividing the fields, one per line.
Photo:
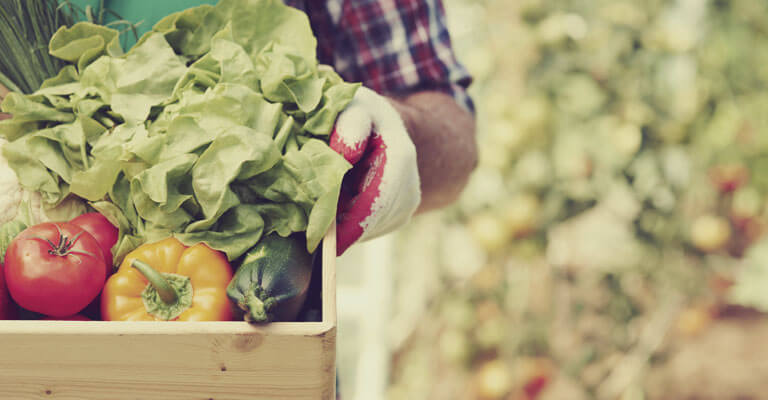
x=174 y=360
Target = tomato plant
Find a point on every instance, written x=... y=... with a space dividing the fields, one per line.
x=102 y=230
x=54 y=269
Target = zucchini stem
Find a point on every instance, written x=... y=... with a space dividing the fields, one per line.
x=258 y=310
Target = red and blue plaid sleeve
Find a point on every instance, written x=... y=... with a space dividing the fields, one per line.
x=392 y=46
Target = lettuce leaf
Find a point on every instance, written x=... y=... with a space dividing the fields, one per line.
x=212 y=128
x=83 y=43
x=8 y=232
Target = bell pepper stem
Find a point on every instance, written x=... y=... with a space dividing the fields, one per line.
x=164 y=289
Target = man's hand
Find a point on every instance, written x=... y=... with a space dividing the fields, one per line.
x=382 y=191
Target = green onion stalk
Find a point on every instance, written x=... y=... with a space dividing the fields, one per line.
x=26 y=28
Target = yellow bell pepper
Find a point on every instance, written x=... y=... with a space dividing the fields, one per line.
x=167 y=281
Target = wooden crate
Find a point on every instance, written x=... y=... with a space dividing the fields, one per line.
x=174 y=360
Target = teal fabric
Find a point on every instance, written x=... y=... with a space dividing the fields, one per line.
x=148 y=12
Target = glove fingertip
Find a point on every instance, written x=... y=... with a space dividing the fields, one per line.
x=351 y=152
x=347 y=233
x=340 y=249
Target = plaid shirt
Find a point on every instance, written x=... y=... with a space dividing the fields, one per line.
x=391 y=46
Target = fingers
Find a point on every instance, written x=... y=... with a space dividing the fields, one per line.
x=361 y=190
x=352 y=152
x=351 y=133
x=371 y=135
x=347 y=233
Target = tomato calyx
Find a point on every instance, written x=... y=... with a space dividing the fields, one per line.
x=64 y=245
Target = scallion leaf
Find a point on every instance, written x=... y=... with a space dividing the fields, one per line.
x=26 y=27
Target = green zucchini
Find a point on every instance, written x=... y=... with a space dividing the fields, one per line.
x=272 y=282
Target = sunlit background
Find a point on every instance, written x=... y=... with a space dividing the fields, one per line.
x=610 y=244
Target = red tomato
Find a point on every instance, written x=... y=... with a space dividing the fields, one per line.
x=76 y=317
x=8 y=309
x=54 y=269
x=102 y=230
x=93 y=310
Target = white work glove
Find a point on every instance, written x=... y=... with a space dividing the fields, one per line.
x=382 y=190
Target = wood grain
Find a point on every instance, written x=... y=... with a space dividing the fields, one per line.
x=329 y=309
x=173 y=360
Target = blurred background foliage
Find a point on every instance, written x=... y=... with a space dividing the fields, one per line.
x=610 y=244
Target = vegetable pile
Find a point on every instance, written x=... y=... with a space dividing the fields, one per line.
x=211 y=131
x=206 y=129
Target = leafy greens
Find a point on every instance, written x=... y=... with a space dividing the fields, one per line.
x=212 y=128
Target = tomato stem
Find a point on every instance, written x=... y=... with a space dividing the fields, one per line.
x=63 y=246
x=156 y=279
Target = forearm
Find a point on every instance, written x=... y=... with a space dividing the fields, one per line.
x=444 y=135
